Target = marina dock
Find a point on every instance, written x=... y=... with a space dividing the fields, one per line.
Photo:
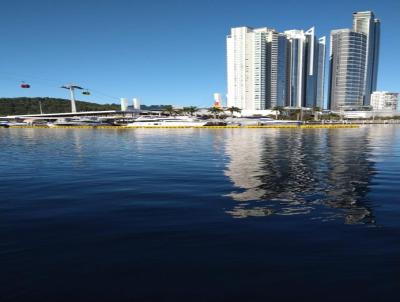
x=320 y=126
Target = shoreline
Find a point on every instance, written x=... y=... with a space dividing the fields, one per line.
x=319 y=126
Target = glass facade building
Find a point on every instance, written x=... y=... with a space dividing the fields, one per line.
x=282 y=87
x=321 y=72
x=347 y=69
x=354 y=57
x=365 y=22
x=306 y=68
x=296 y=67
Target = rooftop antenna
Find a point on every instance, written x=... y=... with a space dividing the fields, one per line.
x=71 y=89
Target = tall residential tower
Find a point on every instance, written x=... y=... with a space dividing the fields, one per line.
x=366 y=23
x=306 y=68
x=354 y=56
x=268 y=69
x=347 y=69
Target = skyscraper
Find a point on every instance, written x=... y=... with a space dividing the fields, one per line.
x=347 y=69
x=315 y=56
x=321 y=72
x=282 y=85
x=354 y=62
x=268 y=69
x=365 y=22
x=297 y=67
x=246 y=55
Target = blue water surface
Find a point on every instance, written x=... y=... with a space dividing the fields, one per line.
x=200 y=214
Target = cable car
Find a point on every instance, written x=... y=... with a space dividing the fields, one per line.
x=85 y=92
x=25 y=85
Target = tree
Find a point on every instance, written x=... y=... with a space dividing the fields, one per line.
x=191 y=110
x=24 y=105
x=295 y=114
x=279 y=111
x=215 y=111
x=169 y=109
x=298 y=114
x=315 y=111
x=234 y=109
x=334 y=116
x=178 y=112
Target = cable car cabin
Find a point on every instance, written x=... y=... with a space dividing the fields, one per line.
x=24 y=85
x=86 y=92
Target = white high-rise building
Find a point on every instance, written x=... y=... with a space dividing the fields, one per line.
x=268 y=69
x=306 y=68
x=384 y=100
x=246 y=61
x=297 y=66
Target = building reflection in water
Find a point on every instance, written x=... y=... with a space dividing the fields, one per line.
x=324 y=173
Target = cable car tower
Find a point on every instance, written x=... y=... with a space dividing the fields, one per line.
x=71 y=89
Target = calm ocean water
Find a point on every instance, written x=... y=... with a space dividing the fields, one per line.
x=200 y=214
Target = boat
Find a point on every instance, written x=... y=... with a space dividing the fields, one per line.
x=271 y=121
x=4 y=124
x=77 y=122
x=175 y=121
x=259 y=121
x=15 y=124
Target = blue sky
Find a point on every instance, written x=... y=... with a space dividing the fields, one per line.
x=164 y=52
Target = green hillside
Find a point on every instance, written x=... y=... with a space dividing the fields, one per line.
x=16 y=106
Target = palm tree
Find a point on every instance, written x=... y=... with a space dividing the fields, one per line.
x=316 y=111
x=191 y=110
x=278 y=111
x=334 y=116
x=297 y=113
x=169 y=109
x=234 y=109
x=178 y=111
x=215 y=111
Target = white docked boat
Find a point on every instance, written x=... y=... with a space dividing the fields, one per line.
x=15 y=124
x=175 y=121
x=271 y=121
x=4 y=124
x=259 y=121
x=74 y=122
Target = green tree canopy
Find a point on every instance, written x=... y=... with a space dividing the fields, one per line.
x=215 y=111
x=191 y=110
x=234 y=109
x=23 y=105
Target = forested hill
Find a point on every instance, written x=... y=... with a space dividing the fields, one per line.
x=15 y=106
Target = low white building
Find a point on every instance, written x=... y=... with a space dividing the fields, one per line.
x=384 y=100
x=369 y=114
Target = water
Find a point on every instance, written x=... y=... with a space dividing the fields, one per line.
x=200 y=214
